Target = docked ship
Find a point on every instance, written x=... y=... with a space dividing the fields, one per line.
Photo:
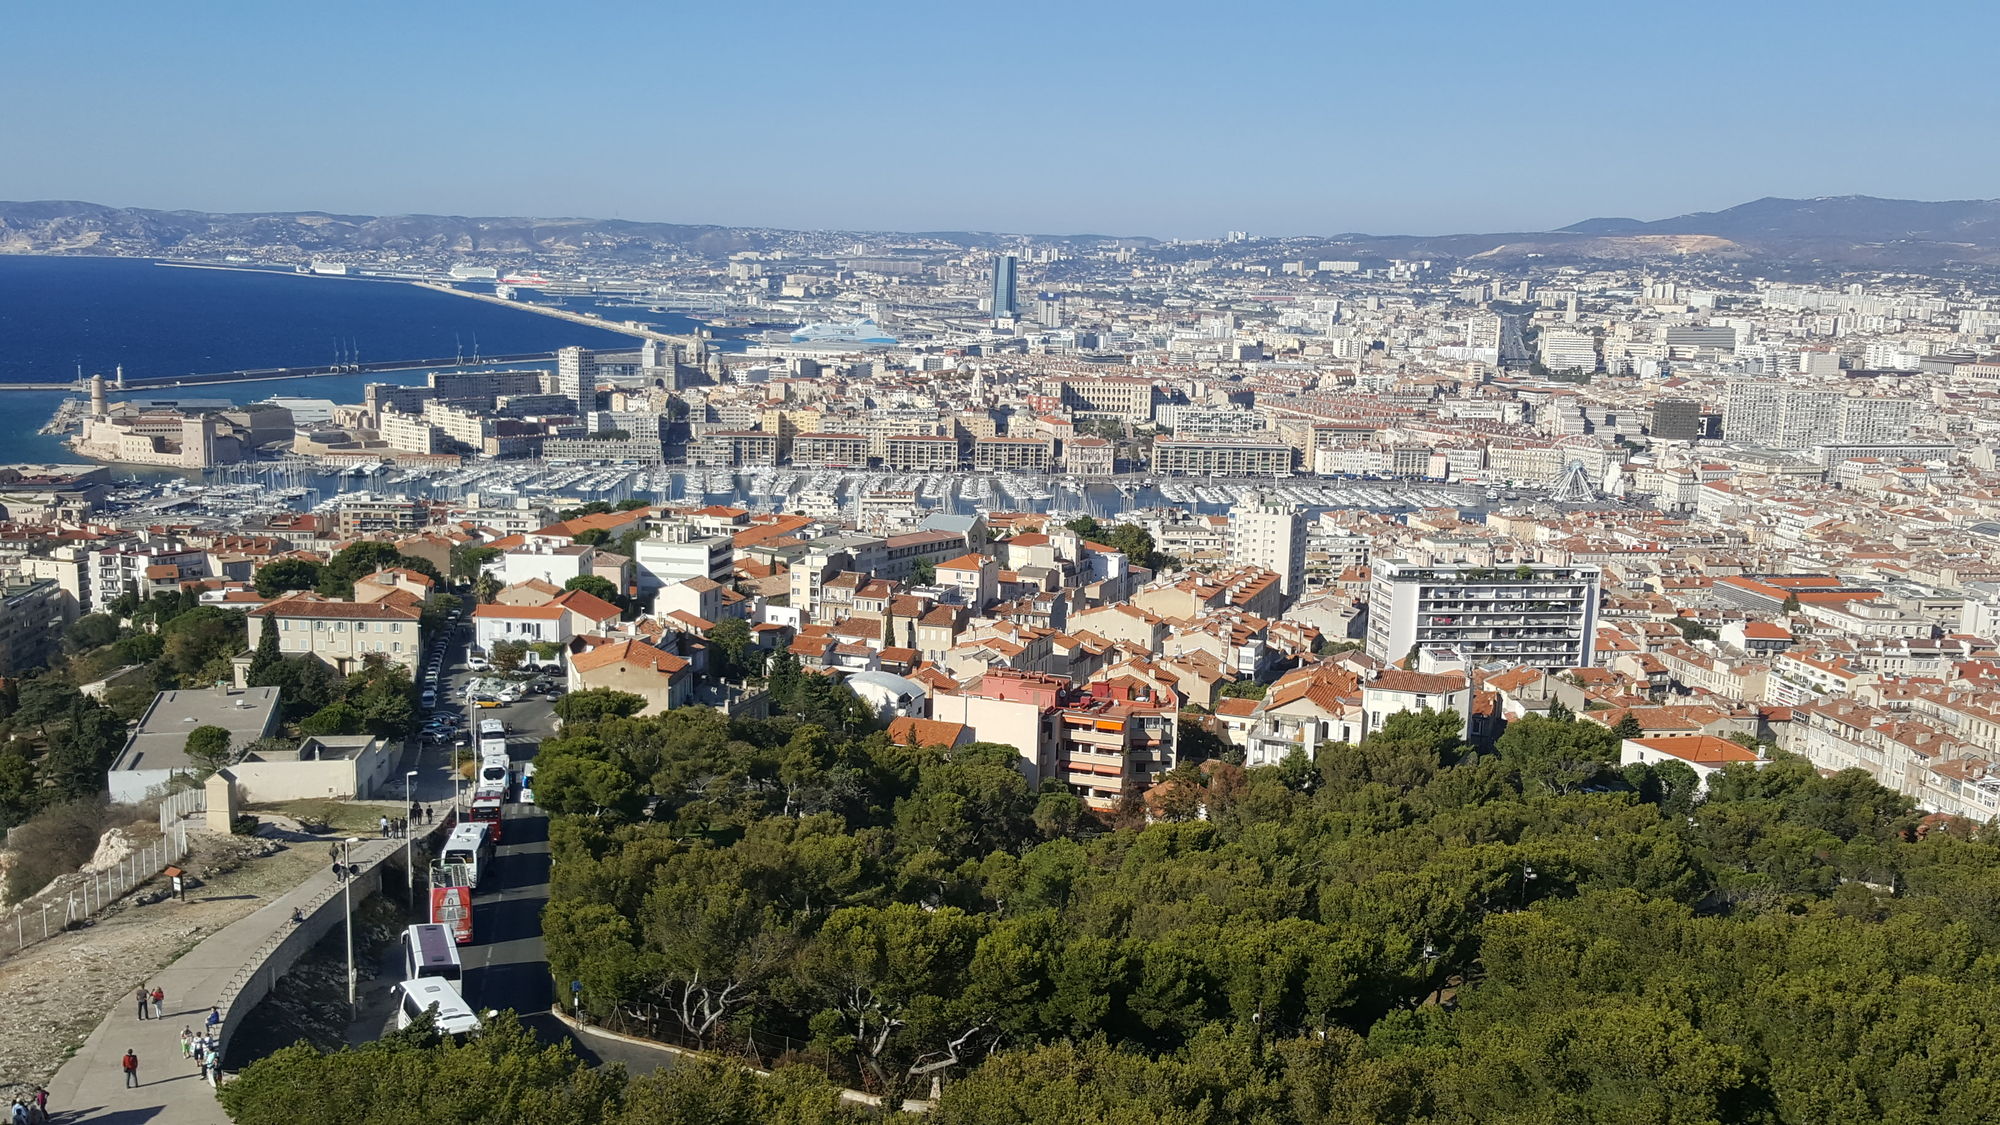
x=524 y=279
x=858 y=333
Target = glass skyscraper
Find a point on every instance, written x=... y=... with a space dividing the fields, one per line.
x=1005 y=304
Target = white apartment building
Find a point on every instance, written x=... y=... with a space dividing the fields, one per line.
x=1565 y=349
x=1774 y=413
x=554 y=564
x=1534 y=615
x=1273 y=536
x=576 y=378
x=678 y=553
x=150 y=569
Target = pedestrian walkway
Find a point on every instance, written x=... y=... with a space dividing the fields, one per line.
x=91 y=1085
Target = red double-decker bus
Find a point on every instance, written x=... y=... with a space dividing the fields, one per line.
x=486 y=807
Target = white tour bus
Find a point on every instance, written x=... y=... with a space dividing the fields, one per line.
x=492 y=737
x=430 y=951
x=472 y=845
x=494 y=770
x=420 y=994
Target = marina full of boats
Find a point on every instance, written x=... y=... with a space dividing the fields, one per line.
x=868 y=497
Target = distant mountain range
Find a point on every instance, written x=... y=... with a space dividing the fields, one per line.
x=1854 y=231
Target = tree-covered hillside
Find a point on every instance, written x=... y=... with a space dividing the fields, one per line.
x=1405 y=931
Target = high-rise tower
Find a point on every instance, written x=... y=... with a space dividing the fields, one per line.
x=1006 y=305
x=576 y=378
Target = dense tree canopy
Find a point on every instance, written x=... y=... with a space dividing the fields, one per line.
x=1402 y=931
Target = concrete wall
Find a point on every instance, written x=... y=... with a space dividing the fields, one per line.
x=134 y=786
x=365 y=778
x=325 y=913
x=264 y=782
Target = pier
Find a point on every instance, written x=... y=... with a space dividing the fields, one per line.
x=618 y=326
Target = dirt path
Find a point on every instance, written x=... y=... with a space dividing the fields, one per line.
x=58 y=990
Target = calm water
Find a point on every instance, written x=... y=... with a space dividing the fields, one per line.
x=61 y=314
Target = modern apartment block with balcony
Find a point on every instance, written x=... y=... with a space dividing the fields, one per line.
x=1530 y=615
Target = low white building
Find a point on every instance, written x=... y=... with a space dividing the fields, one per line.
x=156 y=750
x=1705 y=754
x=351 y=767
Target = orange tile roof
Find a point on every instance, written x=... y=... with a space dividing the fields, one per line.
x=494 y=612
x=637 y=653
x=588 y=604
x=910 y=731
x=1701 y=749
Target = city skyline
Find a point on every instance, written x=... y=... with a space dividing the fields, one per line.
x=1129 y=122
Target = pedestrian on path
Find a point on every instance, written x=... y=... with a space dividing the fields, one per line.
x=187 y=1042
x=131 y=1064
x=214 y=1020
x=141 y=997
x=385 y=828
x=19 y=1114
x=333 y=853
x=159 y=1003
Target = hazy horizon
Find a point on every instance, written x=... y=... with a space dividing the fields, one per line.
x=1167 y=121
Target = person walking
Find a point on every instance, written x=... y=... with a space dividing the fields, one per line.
x=187 y=1042
x=159 y=1003
x=19 y=1114
x=141 y=997
x=131 y=1064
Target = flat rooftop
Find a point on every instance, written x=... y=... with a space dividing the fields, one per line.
x=160 y=741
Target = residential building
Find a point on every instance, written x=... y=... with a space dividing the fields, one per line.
x=830 y=451
x=33 y=616
x=143 y=569
x=1013 y=454
x=362 y=513
x=1532 y=614
x=1705 y=754
x=576 y=378
x=1209 y=458
x=341 y=633
x=679 y=552
x=1271 y=535
x=528 y=624
x=661 y=678
x=920 y=453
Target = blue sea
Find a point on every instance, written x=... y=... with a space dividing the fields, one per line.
x=59 y=315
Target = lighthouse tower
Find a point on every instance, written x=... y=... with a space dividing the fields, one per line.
x=97 y=409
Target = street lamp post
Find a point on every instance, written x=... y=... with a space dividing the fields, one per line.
x=347 y=861
x=409 y=843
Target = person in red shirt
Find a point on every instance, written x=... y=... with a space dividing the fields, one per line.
x=131 y=1065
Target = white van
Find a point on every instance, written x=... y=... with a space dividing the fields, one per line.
x=526 y=794
x=429 y=950
x=419 y=995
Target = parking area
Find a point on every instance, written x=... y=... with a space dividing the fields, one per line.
x=446 y=682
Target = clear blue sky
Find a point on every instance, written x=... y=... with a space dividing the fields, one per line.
x=1167 y=118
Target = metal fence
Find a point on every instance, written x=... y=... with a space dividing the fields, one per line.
x=84 y=894
x=185 y=803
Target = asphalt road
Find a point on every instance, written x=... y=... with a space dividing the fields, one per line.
x=504 y=966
